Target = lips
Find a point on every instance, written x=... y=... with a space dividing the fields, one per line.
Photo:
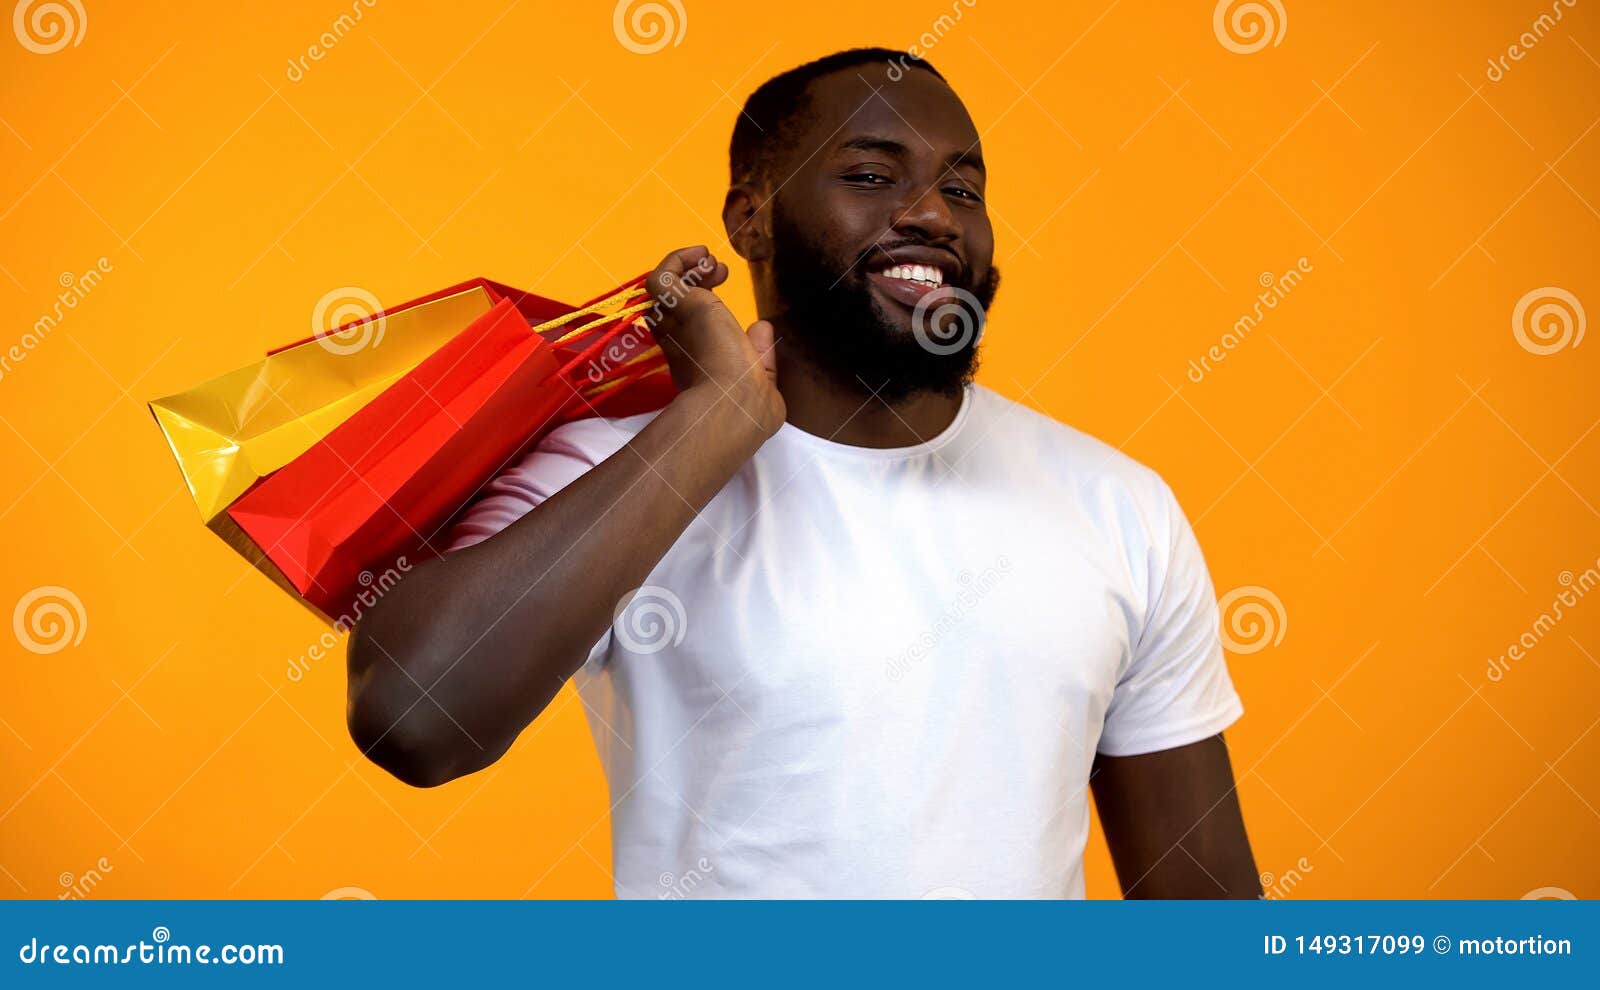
x=908 y=292
x=910 y=275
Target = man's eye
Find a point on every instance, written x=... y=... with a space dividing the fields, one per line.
x=964 y=193
x=871 y=178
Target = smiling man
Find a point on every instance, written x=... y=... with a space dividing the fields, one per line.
x=844 y=623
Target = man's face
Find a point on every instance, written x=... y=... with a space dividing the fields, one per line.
x=882 y=248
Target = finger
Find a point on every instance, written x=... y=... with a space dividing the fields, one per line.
x=673 y=267
x=717 y=276
x=761 y=334
x=706 y=272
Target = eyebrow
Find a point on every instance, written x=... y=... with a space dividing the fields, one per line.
x=969 y=158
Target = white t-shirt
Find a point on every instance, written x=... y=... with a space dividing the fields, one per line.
x=884 y=673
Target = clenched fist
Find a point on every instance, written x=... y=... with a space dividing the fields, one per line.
x=706 y=349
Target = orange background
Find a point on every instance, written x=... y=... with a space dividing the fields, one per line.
x=1380 y=453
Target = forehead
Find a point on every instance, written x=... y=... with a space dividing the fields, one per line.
x=919 y=110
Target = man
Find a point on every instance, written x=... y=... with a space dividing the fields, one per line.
x=845 y=623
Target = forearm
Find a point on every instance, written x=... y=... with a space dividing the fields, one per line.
x=457 y=659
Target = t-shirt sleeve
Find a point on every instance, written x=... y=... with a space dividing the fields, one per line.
x=562 y=457
x=1176 y=690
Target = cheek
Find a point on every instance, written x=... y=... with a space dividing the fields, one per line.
x=849 y=218
x=979 y=237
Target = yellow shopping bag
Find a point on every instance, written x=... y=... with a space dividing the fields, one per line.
x=236 y=429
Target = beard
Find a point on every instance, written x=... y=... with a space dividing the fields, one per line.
x=831 y=316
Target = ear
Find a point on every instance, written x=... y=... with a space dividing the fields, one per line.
x=747 y=218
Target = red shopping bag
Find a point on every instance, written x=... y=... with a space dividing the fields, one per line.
x=375 y=494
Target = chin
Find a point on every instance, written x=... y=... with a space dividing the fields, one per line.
x=895 y=320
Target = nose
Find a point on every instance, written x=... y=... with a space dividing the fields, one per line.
x=927 y=216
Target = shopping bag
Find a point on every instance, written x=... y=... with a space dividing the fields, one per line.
x=375 y=494
x=236 y=429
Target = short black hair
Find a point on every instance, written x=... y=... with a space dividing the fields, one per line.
x=765 y=128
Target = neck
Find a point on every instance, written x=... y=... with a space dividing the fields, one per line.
x=849 y=412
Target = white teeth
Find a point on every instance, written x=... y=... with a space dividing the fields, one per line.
x=926 y=274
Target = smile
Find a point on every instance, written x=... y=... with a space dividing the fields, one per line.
x=929 y=275
x=909 y=285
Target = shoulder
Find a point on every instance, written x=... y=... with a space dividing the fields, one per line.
x=1095 y=469
x=594 y=438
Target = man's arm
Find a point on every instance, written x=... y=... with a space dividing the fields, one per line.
x=454 y=661
x=1173 y=824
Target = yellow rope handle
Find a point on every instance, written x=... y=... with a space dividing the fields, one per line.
x=607 y=306
x=602 y=320
x=644 y=356
x=604 y=387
